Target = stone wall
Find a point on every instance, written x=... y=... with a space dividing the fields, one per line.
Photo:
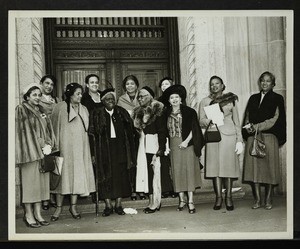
x=238 y=49
x=29 y=65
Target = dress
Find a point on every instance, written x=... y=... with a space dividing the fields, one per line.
x=71 y=132
x=221 y=159
x=185 y=166
x=115 y=151
x=33 y=131
x=270 y=117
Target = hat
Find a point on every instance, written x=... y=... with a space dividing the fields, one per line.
x=107 y=91
x=149 y=90
x=174 y=89
x=26 y=88
x=71 y=88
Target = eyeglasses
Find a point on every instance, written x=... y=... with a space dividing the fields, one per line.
x=142 y=96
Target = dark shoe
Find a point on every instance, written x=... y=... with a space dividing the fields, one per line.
x=107 y=211
x=256 y=205
x=31 y=225
x=75 y=216
x=164 y=195
x=218 y=203
x=133 y=197
x=55 y=218
x=43 y=223
x=45 y=205
x=181 y=207
x=173 y=195
x=142 y=197
x=119 y=210
x=191 y=211
x=229 y=207
x=150 y=211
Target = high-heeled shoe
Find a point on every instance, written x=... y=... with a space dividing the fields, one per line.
x=75 y=216
x=191 y=211
x=107 y=211
x=256 y=205
x=229 y=207
x=180 y=208
x=53 y=217
x=31 y=225
x=133 y=197
x=151 y=211
x=43 y=222
x=218 y=203
x=268 y=205
x=119 y=210
x=142 y=197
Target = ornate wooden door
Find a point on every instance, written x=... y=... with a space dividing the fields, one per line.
x=112 y=47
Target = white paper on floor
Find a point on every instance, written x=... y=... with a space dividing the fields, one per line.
x=130 y=211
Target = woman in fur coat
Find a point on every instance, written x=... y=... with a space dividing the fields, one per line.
x=34 y=139
x=150 y=123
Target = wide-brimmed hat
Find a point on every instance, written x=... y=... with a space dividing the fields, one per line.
x=174 y=89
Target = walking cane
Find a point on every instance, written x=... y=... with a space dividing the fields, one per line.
x=96 y=174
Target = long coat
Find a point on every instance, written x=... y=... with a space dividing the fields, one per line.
x=71 y=132
x=125 y=102
x=112 y=167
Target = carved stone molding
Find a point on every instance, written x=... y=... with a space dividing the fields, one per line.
x=191 y=62
x=37 y=48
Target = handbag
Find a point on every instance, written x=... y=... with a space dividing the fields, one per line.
x=212 y=136
x=49 y=162
x=258 y=147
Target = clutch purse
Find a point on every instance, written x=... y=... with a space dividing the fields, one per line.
x=258 y=147
x=212 y=136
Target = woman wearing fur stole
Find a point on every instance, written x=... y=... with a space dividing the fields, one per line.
x=148 y=120
x=221 y=157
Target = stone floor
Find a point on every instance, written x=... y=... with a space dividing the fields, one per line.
x=168 y=224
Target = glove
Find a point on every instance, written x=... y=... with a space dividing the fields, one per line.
x=239 y=148
x=46 y=149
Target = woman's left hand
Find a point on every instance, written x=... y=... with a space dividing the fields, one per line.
x=183 y=145
x=239 y=148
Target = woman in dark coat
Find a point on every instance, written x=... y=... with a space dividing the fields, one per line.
x=265 y=111
x=91 y=96
x=186 y=142
x=34 y=139
x=114 y=151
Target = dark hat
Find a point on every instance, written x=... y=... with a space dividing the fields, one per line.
x=70 y=89
x=178 y=89
x=148 y=89
x=106 y=92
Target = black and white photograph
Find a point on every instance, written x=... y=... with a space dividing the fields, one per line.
x=150 y=125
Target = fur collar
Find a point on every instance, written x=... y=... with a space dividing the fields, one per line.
x=224 y=99
x=143 y=116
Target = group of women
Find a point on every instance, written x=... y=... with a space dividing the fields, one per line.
x=140 y=145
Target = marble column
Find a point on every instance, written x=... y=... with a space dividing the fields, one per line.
x=30 y=63
x=238 y=49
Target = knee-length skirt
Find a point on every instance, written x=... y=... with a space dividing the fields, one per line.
x=35 y=185
x=185 y=167
x=263 y=170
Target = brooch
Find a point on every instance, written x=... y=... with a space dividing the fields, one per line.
x=43 y=115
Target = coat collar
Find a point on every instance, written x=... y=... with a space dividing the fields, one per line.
x=81 y=113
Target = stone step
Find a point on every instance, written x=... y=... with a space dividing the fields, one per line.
x=85 y=205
